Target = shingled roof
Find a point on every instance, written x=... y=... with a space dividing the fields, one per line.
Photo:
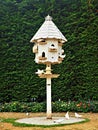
x=48 y=30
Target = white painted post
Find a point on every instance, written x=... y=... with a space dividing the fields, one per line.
x=48 y=91
x=49 y=106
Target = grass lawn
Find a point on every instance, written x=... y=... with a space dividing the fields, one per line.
x=91 y=125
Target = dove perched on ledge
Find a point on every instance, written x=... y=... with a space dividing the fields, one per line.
x=62 y=56
x=39 y=71
x=52 y=47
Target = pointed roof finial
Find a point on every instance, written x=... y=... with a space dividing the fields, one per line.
x=48 y=18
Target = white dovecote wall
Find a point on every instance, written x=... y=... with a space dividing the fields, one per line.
x=49 y=50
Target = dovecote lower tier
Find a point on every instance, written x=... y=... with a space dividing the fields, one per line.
x=48 y=51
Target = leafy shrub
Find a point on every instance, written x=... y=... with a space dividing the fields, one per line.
x=94 y=106
x=10 y=107
x=22 y=107
x=83 y=106
x=58 y=106
x=38 y=107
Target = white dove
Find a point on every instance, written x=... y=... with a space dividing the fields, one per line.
x=62 y=51
x=77 y=115
x=58 y=121
x=52 y=47
x=39 y=71
x=27 y=114
x=62 y=56
x=67 y=115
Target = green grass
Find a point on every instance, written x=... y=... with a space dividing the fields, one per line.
x=13 y=121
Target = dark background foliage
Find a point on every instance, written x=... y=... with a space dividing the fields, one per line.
x=19 y=21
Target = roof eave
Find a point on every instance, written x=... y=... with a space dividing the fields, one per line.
x=61 y=40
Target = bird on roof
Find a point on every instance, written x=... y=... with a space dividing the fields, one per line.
x=39 y=71
x=67 y=115
x=58 y=121
x=77 y=115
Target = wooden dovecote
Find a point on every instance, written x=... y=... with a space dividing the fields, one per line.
x=48 y=50
x=49 y=41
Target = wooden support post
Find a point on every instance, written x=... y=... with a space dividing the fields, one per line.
x=48 y=89
x=49 y=106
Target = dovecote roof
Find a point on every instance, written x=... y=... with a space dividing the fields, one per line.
x=48 y=30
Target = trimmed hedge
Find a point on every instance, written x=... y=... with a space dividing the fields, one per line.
x=58 y=106
x=79 y=70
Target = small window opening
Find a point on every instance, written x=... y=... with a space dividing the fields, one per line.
x=43 y=40
x=43 y=54
x=52 y=45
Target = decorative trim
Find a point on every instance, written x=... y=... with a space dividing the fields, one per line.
x=35 y=50
x=52 y=50
x=42 y=43
x=60 y=44
x=42 y=58
x=60 y=59
x=48 y=75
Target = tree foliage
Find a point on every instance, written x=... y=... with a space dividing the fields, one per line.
x=77 y=20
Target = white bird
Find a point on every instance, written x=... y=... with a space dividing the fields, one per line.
x=62 y=51
x=52 y=47
x=67 y=115
x=77 y=115
x=39 y=71
x=62 y=56
x=58 y=121
x=27 y=114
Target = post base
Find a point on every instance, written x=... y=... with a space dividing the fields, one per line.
x=49 y=116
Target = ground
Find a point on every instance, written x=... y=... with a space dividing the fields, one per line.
x=91 y=125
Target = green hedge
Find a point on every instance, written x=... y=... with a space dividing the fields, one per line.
x=58 y=106
x=78 y=21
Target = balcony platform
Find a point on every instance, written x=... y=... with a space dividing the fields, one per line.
x=48 y=75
